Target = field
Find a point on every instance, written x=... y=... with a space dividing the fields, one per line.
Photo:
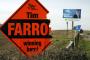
x=59 y=41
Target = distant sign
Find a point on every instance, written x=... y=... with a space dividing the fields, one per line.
x=77 y=28
x=72 y=13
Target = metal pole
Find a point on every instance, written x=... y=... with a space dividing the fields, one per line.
x=72 y=29
x=72 y=24
x=67 y=28
x=73 y=33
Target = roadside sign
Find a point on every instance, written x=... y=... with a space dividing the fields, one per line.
x=28 y=28
x=77 y=28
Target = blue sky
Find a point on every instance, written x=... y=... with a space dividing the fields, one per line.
x=55 y=7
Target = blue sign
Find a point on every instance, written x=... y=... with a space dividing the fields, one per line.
x=77 y=28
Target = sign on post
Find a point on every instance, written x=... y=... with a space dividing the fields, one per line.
x=77 y=28
x=28 y=28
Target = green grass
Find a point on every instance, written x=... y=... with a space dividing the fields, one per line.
x=61 y=40
x=85 y=45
